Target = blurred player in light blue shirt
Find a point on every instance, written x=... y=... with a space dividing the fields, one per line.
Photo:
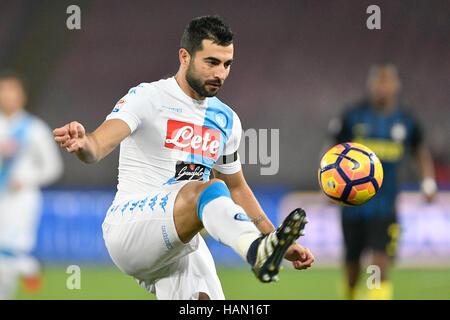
x=28 y=160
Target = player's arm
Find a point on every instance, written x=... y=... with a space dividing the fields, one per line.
x=92 y=147
x=424 y=162
x=426 y=167
x=243 y=196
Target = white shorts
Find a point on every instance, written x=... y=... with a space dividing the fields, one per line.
x=141 y=238
x=20 y=215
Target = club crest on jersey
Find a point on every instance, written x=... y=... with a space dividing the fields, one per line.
x=398 y=132
x=221 y=119
x=192 y=138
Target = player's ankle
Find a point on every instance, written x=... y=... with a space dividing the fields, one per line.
x=252 y=252
x=243 y=243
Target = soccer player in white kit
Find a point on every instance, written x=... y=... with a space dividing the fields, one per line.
x=29 y=160
x=172 y=134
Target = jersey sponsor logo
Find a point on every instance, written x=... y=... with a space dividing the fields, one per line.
x=192 y=138
x=386 y=150
x=189 y=171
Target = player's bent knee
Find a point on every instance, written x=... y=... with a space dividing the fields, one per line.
x=191 y=192
x=189 y=203
x=210 y=182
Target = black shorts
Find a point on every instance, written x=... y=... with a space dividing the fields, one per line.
x=379 y=234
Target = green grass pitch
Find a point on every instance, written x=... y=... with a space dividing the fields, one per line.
x=109 y=283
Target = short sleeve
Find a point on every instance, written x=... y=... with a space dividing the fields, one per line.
x=132 y=108
x=229 y=162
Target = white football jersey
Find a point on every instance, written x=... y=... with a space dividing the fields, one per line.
x=28 y=153
x=173 y=137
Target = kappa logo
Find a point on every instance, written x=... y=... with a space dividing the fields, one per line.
x=152 y=202
x=192 y=138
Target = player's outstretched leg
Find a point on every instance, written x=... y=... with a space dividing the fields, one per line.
x=267 y=252
x=210 y=205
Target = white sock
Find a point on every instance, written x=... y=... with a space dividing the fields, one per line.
x=227 y=223
x=8 y=279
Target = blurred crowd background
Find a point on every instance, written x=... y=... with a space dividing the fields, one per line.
x=297 y=65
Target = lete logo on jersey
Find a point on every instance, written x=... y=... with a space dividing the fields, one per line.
x=192 y=138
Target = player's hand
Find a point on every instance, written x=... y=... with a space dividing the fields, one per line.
x=300 y=256
x=429 y=189
x=72 y=136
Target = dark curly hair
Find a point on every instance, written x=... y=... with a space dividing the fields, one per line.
x=206 y=27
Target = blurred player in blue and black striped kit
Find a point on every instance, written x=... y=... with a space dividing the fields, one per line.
x=381 y=123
